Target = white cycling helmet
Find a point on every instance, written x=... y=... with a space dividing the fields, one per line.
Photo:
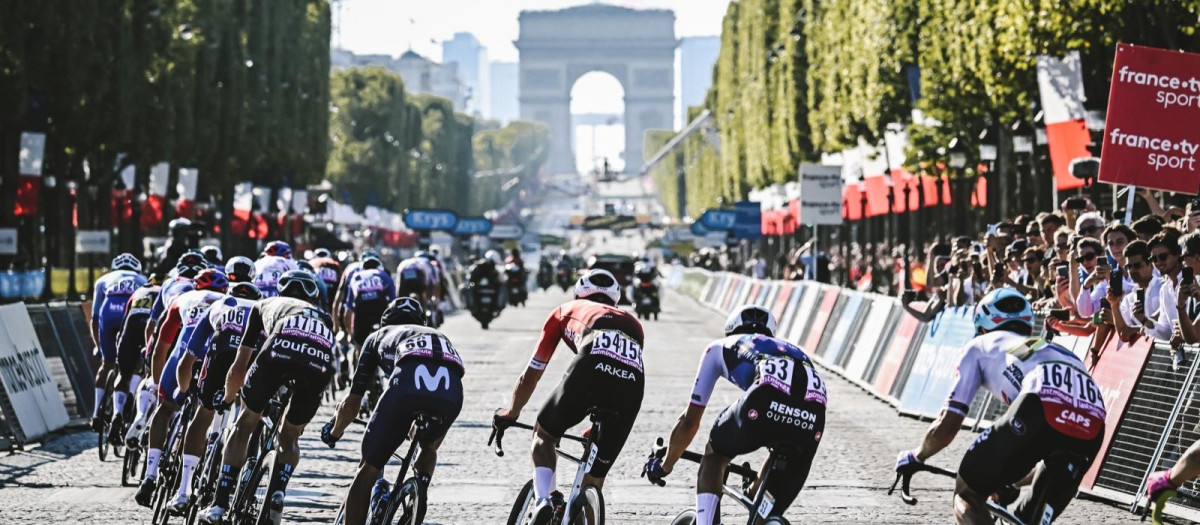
x=598 y=281
x=126 y=261
x=750 y=319
x=494 y=256
x=1001 y=306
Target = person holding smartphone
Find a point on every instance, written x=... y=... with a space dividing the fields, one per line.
x=1095 y=287
x=1093 y=265
x=1164 y=254
x=1145 y=296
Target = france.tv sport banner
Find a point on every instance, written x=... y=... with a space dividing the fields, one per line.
x=1152 y=129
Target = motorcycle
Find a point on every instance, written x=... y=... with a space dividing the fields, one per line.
x=515 y=282
x=484 y=299
x=565 y=279
x=545 y=277
x=645 y=298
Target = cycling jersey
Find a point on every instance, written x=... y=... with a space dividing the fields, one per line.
x=747 y=359
x=328 y=270
x=267 y=271
x=1009 y=364
x=132 y=339
x=369 y=294
x=112 y=293
x=169 y=291
x=412 y=274
x=607 y=373
x=295 y=343
x=186 y=313
x=215 y=341
x=386 y=347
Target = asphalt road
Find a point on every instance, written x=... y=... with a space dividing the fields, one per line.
x=63 y=481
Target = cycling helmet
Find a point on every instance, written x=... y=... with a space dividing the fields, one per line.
x=1000 y=307
x=245 y=290
x=371 y=262
x=493 y=256
x=403 y=310
x=598 y=282
x=306 y=266
x=278 y=249
x=369 y=253
x=126 y=261
x=240 y=269
x=154 y=279
x=211 y=279
x=320 y=253
x=179 y=227
x=299 y=284
x=190 y=264
x=750 y=319
x=212 y=254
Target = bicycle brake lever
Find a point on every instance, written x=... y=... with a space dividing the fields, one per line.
x=497 y=436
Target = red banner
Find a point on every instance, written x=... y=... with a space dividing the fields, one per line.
x=1116 y=372
x=1151 y=132
x=901 y=342
x=1067 y=141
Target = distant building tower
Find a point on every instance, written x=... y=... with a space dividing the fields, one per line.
x=422 y=75
x=503 y=88
x=697 y=56
x=471 y=56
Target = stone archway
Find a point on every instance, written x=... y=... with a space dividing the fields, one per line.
x=637 y=47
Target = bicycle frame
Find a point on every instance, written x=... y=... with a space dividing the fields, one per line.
x=995 y=509
x=419 y=427
x=584 y=460
x=749 y=476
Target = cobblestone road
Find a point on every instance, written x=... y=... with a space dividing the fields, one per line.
x=63 y=481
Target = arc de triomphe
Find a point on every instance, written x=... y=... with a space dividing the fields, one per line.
x=635 y=46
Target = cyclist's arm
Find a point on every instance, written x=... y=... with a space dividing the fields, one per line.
x=97 y=300
x=551 y=333
x=948 y=423
x=194 y=346
x=250 y=341
x=158 y=357
x=364 y=374
x=711 y=368
x=339 y=299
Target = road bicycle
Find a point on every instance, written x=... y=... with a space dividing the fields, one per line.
x=405 y=495
x=107 y=427
x=584 y=505
x=246 y=506
x=760 y=504
x=998 y=509
x=204 y=488
x=169 y=466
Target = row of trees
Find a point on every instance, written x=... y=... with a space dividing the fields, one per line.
x=397 y=150
x=798 y=78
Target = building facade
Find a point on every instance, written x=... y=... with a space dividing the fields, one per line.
x=472 y=60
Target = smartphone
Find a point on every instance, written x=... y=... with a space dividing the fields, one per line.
x=1141 y=295
x=909 y=296
x=941 y=250
x=1061 y=314
x=978 y=266
x=1102 y=260
x=1063 y=271
x=1189 y=275
x=1076 y=203
x=1116 y=283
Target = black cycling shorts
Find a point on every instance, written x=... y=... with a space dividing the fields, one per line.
x=411 y=286
x=130 y=344
x=603 y=383
x=272 y=369
x=366 y=318
x=212 y=375
x=1008 y=451
x=416 y=386
x=767 y=417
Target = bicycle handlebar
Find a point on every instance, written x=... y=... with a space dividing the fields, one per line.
x=499 y=425
x=903 y=478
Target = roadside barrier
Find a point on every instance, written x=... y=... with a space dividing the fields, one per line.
x=30 y=401
x=1153 y=407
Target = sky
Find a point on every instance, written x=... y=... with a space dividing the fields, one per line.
x=393 y=26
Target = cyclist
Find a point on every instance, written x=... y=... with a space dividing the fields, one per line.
x=212 y=254
x=783 y=405
x=297 y=346
x=1055 y=415
x=240 y=270
x=111 y=295
x=276 y=260
x=328 y=270
x=340 y=322
x=434 y=278
x=322 y=290
x=213 y=343
x=371 y=289
x=606 y=374
x=1163 y=485
x=186 y=312
x=425 y=372
x=190 y=264
x=130 y=344
x=411 y=279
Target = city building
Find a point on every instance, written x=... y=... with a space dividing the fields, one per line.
x=472 y=60
x=697 y=55
x=421 y=75
x=504 y=90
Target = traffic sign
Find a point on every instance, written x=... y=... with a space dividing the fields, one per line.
x=507 y=232
x=719 y=220
x=473 y=226
x=698 y=229
x=430 y=220
x=609 y=222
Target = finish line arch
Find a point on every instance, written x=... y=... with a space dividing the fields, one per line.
x=637 y=47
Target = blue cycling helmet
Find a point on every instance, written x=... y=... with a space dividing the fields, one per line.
x=1002 y=306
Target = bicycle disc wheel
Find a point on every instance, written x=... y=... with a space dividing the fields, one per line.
x=409 y=504
x=129 y=468
x=687 y=517
x=523 y=506
x=588 y=508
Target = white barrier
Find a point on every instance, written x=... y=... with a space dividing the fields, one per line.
x=30 y=401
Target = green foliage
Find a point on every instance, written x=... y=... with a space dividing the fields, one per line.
x=515 y=151
x=666 y=173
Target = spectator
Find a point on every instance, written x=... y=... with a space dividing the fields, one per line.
x=1089 y=224
x=1164 y=253
x=1096 y=269
x=1147 y=227
x=1145 y=284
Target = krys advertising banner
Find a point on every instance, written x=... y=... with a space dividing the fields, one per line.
x=1152 y=128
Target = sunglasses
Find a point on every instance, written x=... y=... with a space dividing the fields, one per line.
x=1085 y=257
x=1114 y=242
x=1162 y=257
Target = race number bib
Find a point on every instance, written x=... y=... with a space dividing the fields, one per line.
x=614 y=344
x=423 y=345
x=816 y=386
x=1071 y=401
x=777 y=372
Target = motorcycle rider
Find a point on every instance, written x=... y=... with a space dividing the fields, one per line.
x=179 y=243
x=484 y=273
x=514 y=270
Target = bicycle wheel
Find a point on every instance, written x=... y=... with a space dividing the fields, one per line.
x=777 y=520
x=588 y=508
x=409 y=502
x=523 y=506
x=105 y=416
x=129 y=469
x=687 y=517
x=245 y=503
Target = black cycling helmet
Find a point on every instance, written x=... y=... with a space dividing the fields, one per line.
x=299 y=284
x=320 y=253
x=371 y=262
x=305 y=266
x=751 y=319
x=245 y=290
x=240 y=269
x=190 y=264
x=403 y=310
x=179 y=227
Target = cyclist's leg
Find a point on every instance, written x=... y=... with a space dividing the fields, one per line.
x=1001 y=455
x=728 y=439
x=160 y=423
x=565 y=408
x=386 y=431
x=1057 y=480
x=262 y=382
x=194 y=442
x=108 y=361
x=307 y=394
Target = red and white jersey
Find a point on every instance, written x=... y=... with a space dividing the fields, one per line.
x=572 y=323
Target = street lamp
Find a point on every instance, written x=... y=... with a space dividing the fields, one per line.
x=988 y=148
x=958 y=160
x=862 y=217
x=1022 y=142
